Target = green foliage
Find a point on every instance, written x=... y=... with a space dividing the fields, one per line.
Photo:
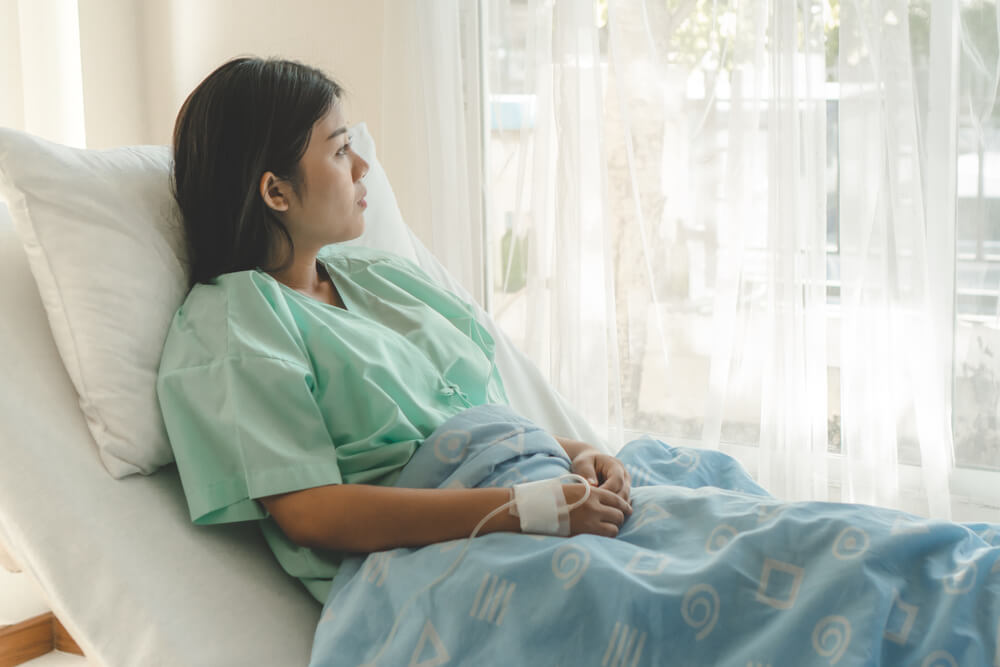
x=708 y=33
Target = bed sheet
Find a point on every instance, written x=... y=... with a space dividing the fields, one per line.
x=709 y=570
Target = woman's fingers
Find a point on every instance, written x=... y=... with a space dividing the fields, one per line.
x=603 y=513
x=615 y=516
x=620 y=495
x=585 y=468
x=616 y=478
x=626 y=492
x=615 y=502
x=608 y=530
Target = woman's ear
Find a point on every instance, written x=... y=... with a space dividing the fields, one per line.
x=275 y=191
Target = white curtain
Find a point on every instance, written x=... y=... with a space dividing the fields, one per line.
x=40 y=69
x=432 y=118
x=559 y=205
x=891 y=384
x=739 y=224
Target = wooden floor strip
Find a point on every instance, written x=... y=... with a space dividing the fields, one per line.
x=26 y=640
x=35 y=637
x=61 y=639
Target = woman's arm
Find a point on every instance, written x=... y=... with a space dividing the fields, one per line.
x=574 y=448
x=366 y=518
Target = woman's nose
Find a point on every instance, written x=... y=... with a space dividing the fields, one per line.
x=360 y=167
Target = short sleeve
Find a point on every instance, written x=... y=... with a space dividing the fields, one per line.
x=243 y=428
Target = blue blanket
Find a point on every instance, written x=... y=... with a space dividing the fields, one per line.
x=708 y=570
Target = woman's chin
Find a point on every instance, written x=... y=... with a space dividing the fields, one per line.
x=361 y=225
x=356 y=229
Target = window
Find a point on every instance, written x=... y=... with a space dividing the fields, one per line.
x=689 y=234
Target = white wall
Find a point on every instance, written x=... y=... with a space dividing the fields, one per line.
x=358 y=42
x=184 y=40
x=403 y=143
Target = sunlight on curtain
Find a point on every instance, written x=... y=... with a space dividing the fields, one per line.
x=558 y=307
x=892 y=407
x=747 y=224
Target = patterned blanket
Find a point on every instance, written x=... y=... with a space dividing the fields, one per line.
x=708 y=570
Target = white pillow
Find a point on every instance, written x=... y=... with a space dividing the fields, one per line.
x=104 y=239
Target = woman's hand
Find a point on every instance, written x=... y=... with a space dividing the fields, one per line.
x=602 y=514
x=603 y=471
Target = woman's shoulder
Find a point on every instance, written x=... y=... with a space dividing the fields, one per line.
x=371 y=266
x=355 y=257
x=235 y=314
x=217 y=301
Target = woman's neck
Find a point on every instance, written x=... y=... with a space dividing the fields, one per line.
x=304 y=274
x=310 y=278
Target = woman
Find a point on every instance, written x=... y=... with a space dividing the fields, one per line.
x=297 y=378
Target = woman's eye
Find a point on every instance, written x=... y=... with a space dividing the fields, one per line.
x=343 y=149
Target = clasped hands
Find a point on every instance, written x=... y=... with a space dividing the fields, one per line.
x=607 y=508
x=603 y=471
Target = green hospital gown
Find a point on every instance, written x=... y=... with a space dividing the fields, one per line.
x=265 y=390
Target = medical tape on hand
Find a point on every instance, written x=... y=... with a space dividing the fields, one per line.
x=541 y=506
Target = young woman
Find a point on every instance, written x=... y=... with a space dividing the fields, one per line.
x=299 y=377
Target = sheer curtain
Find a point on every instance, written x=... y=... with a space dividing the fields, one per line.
x=890 y=345
x=740 y=224
x=40 y=69
x=559 y=207
x=77 y=73
x=431 y=106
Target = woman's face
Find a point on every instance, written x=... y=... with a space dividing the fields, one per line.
x=329 y=205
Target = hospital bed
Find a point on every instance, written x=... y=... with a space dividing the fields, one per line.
x=121 y=565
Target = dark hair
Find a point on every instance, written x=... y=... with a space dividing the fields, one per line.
x=249 y=116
